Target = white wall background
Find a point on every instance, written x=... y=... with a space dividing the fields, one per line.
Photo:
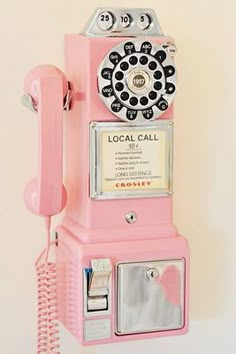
x=31 y=33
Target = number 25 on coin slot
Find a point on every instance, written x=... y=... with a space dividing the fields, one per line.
x=122 y=269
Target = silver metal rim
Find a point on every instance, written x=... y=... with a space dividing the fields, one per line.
x=116 y=96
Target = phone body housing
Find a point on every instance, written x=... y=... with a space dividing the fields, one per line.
x=98 y=251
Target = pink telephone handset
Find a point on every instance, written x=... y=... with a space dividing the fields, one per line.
x=47 y=86
x=45 y=89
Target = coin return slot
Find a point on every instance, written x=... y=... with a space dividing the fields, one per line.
x=97 y=284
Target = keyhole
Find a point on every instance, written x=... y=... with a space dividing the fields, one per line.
x=131 y=217
x=152 y=273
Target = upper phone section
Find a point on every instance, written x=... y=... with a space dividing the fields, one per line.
x=123 y=22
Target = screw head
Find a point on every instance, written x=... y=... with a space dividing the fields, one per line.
x=131 y=217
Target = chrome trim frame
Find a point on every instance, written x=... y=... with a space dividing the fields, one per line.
x=92 y=28
x=89 y=314
x=106 y=63
x=95 y=159
x=149 y=263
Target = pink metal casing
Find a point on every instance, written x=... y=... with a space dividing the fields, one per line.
x=85 y=216
x=97 y=229
x=74 y=256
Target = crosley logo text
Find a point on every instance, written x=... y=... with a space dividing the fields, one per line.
x=133 y=184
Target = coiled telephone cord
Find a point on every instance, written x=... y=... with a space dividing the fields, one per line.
x=48 y=326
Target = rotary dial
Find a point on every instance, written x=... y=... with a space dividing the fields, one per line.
x=137 y=80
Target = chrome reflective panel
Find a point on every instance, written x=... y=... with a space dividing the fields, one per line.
x=150 y=296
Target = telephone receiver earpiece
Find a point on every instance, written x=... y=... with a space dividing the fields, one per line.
x=45 y=88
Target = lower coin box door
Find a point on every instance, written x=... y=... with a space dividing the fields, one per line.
x=150 y=296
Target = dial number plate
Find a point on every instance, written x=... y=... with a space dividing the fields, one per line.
x=137 y=80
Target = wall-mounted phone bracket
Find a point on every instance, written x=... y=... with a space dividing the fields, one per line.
x=120 y=22
x=28 y=101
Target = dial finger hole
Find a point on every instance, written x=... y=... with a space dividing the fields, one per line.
x=162 y=104
x=133 y=101
x=169 y=70
x=146 y=47
x=131 y=114
x=124 y=96
x=115 y=57
x=124 y=66
x=143 y=60
x=107 y=73
x=144 y=101
x=152 y=95
x=119 y=86
x=133 y=60
x=170 y=88
x=129 y=48
x=158 y=85
x=152 y=65
x=116 y=106
x=161 y=56
x=107 y=91
x=148 y=113
x=119 y=75
x=157 y=75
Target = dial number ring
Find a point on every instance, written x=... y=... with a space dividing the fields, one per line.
x=146 y=88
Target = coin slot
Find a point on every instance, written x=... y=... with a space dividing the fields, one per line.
x=126 y=20
x=105 y=21
x=144 y=21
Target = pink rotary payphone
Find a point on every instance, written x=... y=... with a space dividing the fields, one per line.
x=121 y=270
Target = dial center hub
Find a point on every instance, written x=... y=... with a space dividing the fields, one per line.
x=138 y=81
